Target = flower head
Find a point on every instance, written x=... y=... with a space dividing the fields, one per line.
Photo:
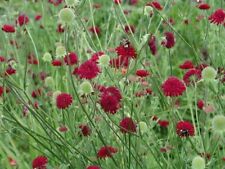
x=22 y=20
x=218 y=17
x=169 y=40
x=40 y=162
x=71 y=58
x=106 y=152
x=63 y=100
x=173 y=87
x=127 y=125
x=8 y=28
x=185 y=129
x=88 y=70
x=152 y=45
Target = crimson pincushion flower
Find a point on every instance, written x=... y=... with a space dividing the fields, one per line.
x=106 y=152
x=113 y=91
x=126 y=51
x=88 y=70
x=169 y=40
x=156 y=5
x=109 y=103
x=187 y=65
x=85 y=130
x=71 y=58
x=127 y=125
x=96 y=56
x=203 y=6
x=93 y=167
x=185 y=129
x=63 y=100
x=191 y=76
x=142 y=73
x=22 y=19
x=163 y=123
x=56 y=62
x=218 y=17
x=152 y=45
x=8 y=28
x=40 y=162
x=129 y=29
x=200 y=104
x=173 y=87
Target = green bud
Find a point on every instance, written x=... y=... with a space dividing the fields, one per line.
x=218 y=123
x=209 y=73
x=104 y=60
x=143 y=127
x=60 y=51
x=47 y=57
x=49 y=82
x=198 y=163
x=66 y=15
x=72 y=3
x=86 y=88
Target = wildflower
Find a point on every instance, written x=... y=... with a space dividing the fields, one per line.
x=88 y=70
x=163 y=123
x=152 y=45
x=203 y=6
x=71 y=58
x=218 y=17
x=200 y=104
x=40 y=162
x=191 y=76
x=156 y=5
x=185 y=129
x=173 y=87
x=22 y=19
x=8 y=28
x=126 y=50
x=169 y=40
x=63 y=100
x=187 y=65
x=127 y=125
x=142 y=73
x=106 y=152
x=85 y=130
x=57 y=62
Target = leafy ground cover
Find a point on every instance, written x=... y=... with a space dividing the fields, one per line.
x=112 y=84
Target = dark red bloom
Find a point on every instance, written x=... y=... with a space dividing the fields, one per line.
x=57 y=62
x=95 y=30
x=85 y=130
x=1 y=91
x=200 y=104
x=63 y=100
x=2 y=59
x=88 y=70
x=93 y=167
x=185 y=129
x=109 y=103
x=8 y=28
x=187 y=65
x=173 y=87
x=55 y=2
x=169 y=40
x=63 y=129
x=32 y=60
x=106 y=151
x=163 y=123
x=152 y=45
x=60 y=28
x=117 y=1
x=142 y=73
x=156 y=5
x=71 y=59
x=126 y=51
x=113 y=91
x=203 y=6
x=191 y=76
x=218 y=17
x=96 y=56
x=127 y=125
x=40 y=162
x=129 y=29
x=22 y=19
x=36 y=93
x=37 y=17
x=10 y=71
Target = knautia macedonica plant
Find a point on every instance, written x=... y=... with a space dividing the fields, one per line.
x=112 y=84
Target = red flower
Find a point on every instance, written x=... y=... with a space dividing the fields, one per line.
x=63 y=129
x=187 y=65
x=71 y=59
x=63 y=100
x=129 y=29
x=88 y=70
x=93 y=167
x=200 y=104
x=60 y=28
x=2 y=59
x=106 y=151
x=10 y=71
x=1 y=91
x=126 y=51
x=85 y=130
x=142 y=73
x=191 y=76
x=203 y=6
x=37 y=17
x=95 y=29
x=32 y=60
x=40 y=162
x=109 y=103
x=57 y=62
x=173 y=87
x=117 y=1
x=22 y=19
x=152 y=45
x=169 y=40
x=8 y=28
x=185 y=129
x=127 y=125
x=163 y=123
x=218 y=17
x=113 y=91
x=96 y=56
x=156 y=5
